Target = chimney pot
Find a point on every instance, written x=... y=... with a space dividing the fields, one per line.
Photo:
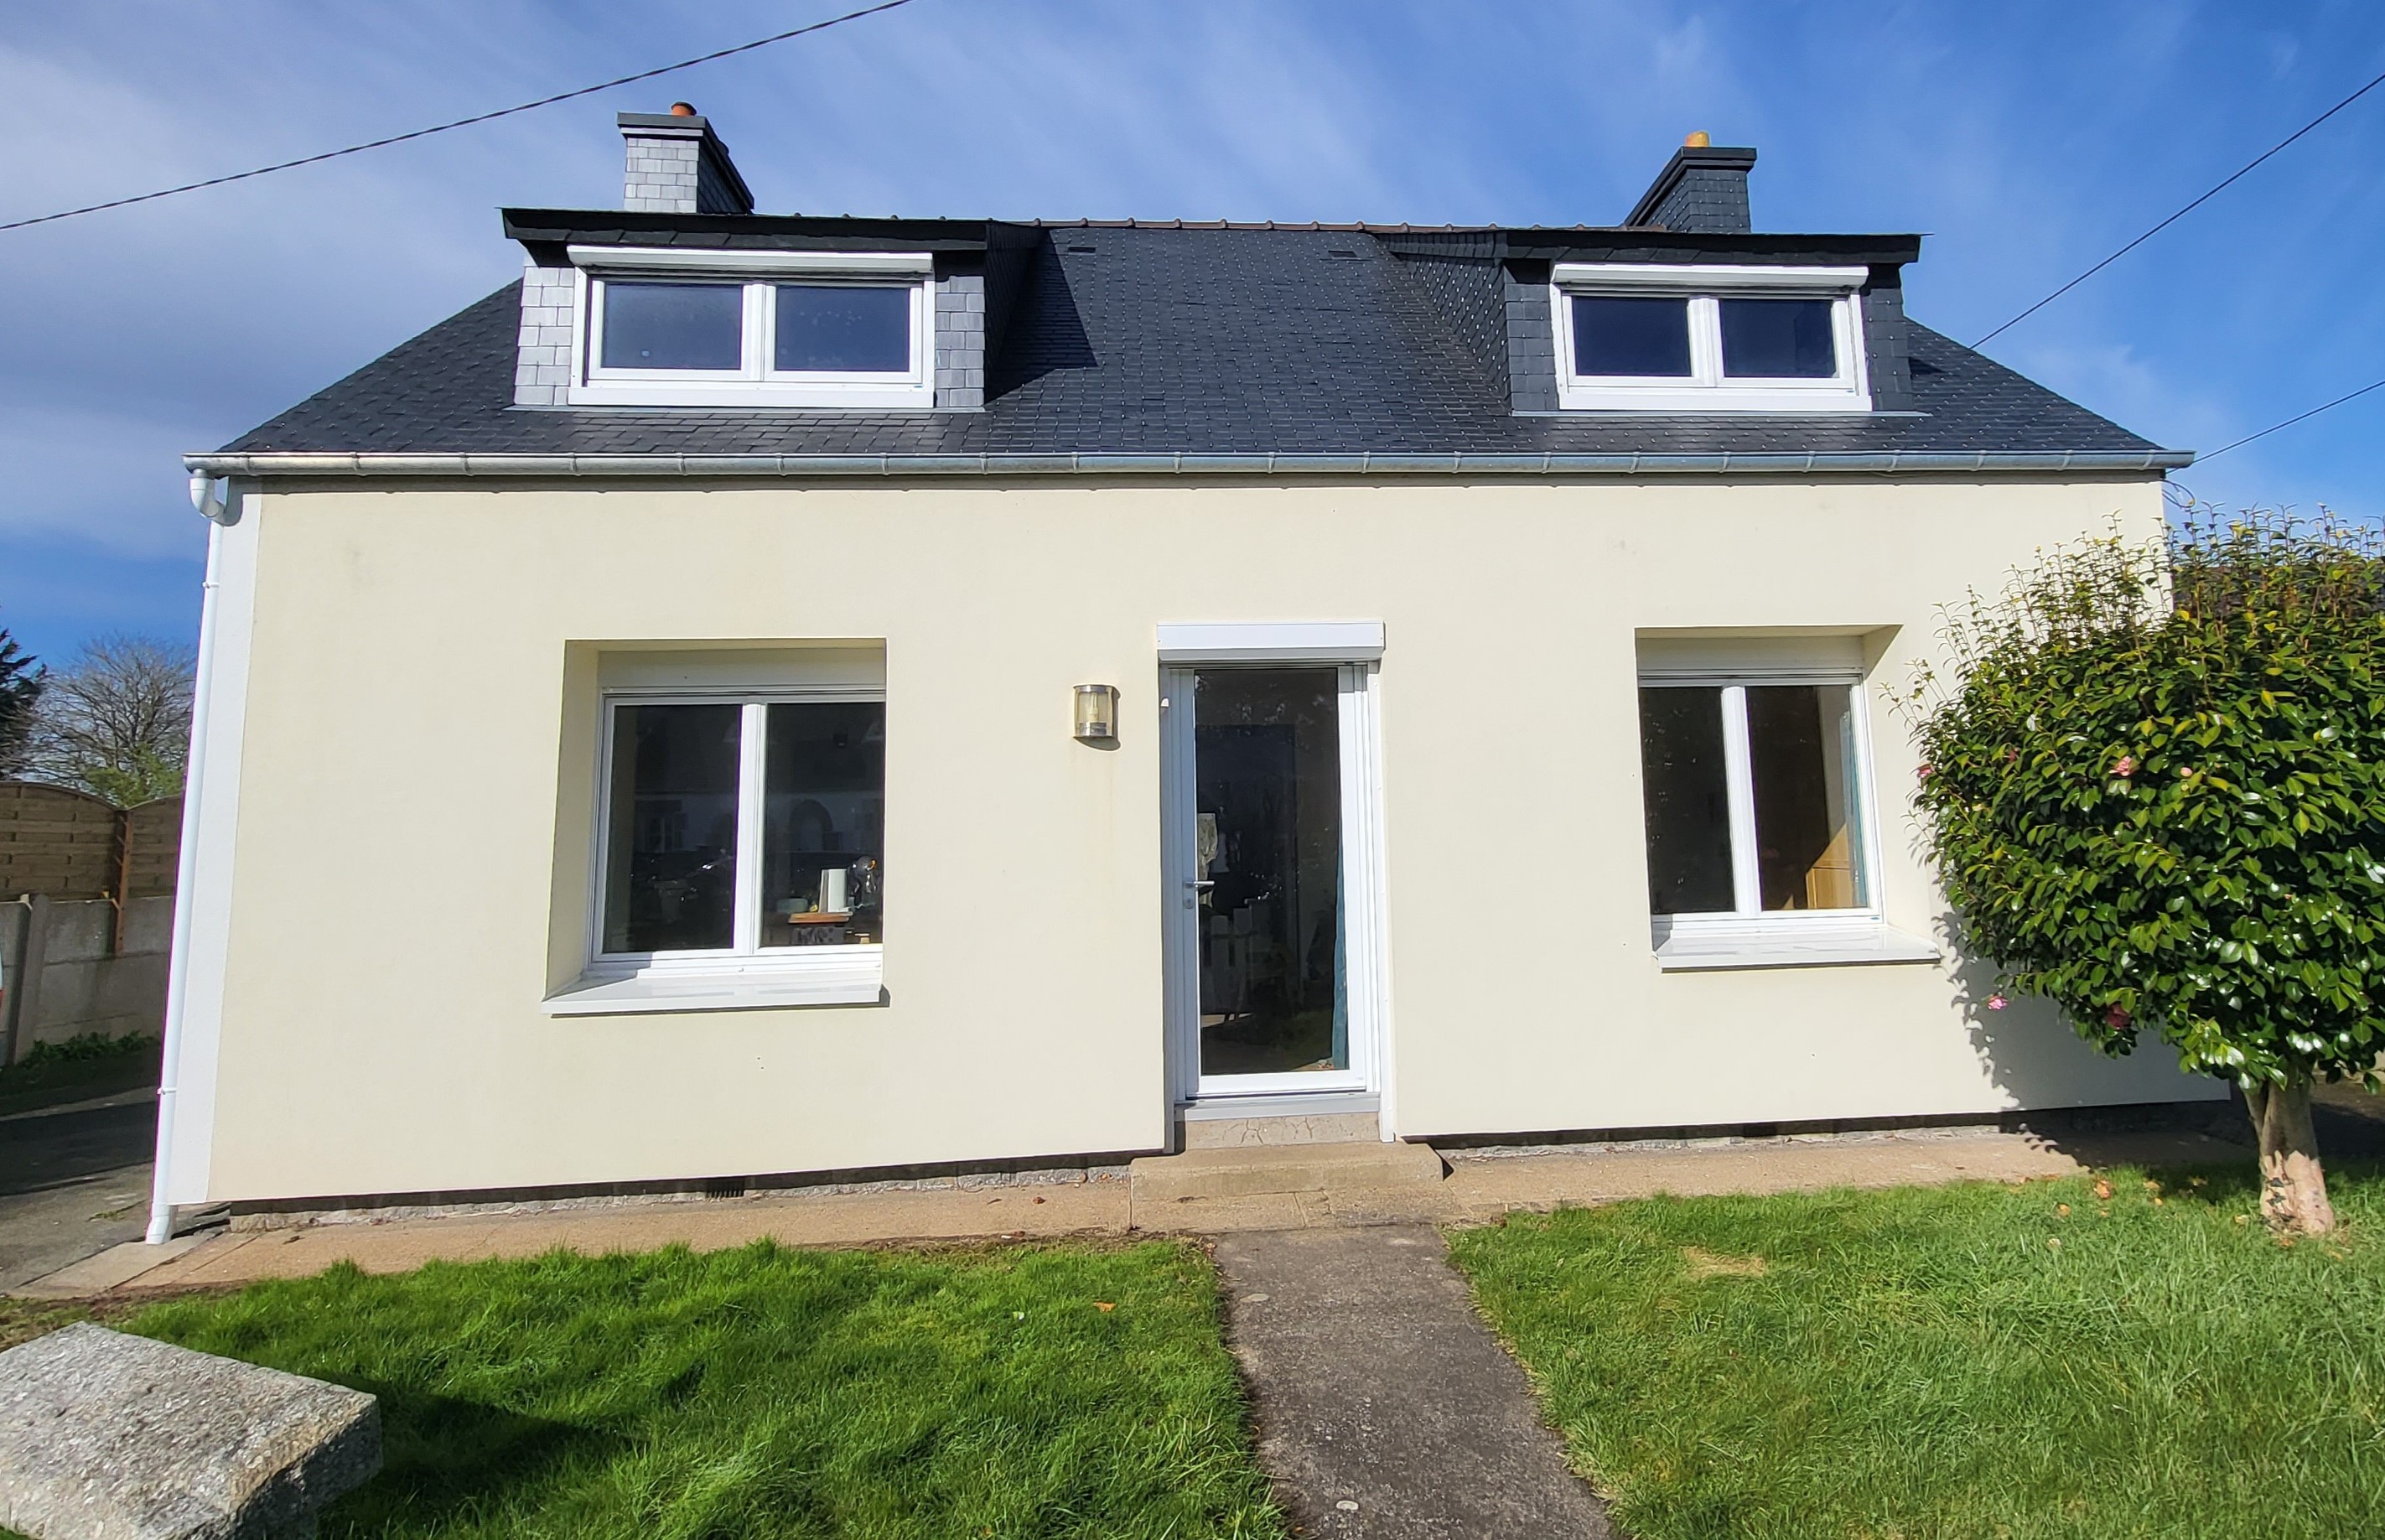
x=1697 y=141
x=683 y=109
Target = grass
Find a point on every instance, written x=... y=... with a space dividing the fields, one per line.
x=1022 y=1391
x=1975 y=1361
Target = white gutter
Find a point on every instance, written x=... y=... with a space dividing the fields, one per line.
x=217 y=502
x=1458 y=463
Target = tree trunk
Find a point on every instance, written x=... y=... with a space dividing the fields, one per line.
x=2293 y=1186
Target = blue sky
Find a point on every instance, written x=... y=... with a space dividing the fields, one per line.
x=2025 y=140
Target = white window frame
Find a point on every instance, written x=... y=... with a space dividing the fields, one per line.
x=1748 y=935
x=755 y=383
x=744 y=974
x=1708 y=389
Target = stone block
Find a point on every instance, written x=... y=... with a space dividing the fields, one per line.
x=108 y=1437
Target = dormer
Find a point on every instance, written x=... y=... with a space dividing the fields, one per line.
x=1683 y=310
x=687 y=298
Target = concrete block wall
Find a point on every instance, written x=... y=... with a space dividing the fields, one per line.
x=960 y=340
x=62 y=976
x=543 y=363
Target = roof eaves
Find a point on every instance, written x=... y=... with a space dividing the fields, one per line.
x=1553 y=463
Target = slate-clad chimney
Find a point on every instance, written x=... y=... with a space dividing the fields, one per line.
x=1702 y=191
x=675 y=164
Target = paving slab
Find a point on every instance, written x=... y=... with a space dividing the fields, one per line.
x=112 y=1269
x=1386 y=1408
x=845 y=1219
x=1480 y=1187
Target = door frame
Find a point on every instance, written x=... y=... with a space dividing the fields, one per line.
x=1355 y=652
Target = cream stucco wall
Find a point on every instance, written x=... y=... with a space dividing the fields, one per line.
x=416 y=775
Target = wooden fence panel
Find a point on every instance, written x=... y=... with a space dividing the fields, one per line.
x=67 y=844
x=153 y=831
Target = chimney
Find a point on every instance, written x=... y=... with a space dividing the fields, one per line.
x=1702 y=191
x=675 y=164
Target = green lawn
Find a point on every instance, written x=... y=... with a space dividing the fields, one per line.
x=774 y=1393
x=1958 y=1361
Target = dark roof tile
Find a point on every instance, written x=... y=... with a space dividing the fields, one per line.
x=1166 y=340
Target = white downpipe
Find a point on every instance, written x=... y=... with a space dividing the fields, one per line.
x=178 y=964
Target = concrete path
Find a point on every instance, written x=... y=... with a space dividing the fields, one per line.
x=74 y=1181
x=1386 y=1410
x=1480 y=1188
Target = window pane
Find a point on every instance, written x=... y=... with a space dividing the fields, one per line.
x=1778 y=339
x=1266 y=752
x=845 y=327
x=670 y=883
x=824 y=823
x=1800 y=745
x=673 y=325
x=1626 y=336
x=1688 y=800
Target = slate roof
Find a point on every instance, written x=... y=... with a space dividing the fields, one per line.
x=1165 y=340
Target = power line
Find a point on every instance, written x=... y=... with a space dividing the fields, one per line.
x=2290 y=422
x=2181 y=214
x=461 y=122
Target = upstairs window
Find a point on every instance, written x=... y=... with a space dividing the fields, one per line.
x=797 y=328
x=672 y=326
x=1700 y=339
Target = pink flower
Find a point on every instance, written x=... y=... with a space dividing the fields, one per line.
x=2125 y=766
x=1997 y=1002
x=2117 y=1017
x=1923 y=773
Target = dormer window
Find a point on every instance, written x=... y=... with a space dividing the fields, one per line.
x=1633 y=337
x=662 y=327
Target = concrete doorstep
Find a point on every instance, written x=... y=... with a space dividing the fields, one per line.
x=1257 y=1171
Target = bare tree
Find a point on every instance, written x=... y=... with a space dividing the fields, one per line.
x=116 y=720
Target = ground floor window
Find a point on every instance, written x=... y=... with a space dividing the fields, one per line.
x=736 y=826
x=1754 y=796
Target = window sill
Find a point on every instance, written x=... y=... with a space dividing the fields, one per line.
x=1710 y=400
x=1707 y=944
x=897 y=397
x=853 y=976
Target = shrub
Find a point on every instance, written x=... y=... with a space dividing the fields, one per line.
x=2154 y=782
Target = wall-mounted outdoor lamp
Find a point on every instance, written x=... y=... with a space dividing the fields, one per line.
x=1096 y=713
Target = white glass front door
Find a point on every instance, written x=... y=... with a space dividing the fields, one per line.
x=1274 y=918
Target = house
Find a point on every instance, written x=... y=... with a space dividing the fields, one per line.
x=783 y=694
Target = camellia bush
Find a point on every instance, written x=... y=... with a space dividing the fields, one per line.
x=2153 y=778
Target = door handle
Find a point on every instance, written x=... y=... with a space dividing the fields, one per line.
x=1199 y=884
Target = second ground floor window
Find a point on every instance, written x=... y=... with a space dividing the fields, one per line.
x=1755 y=798
x=735 y=827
